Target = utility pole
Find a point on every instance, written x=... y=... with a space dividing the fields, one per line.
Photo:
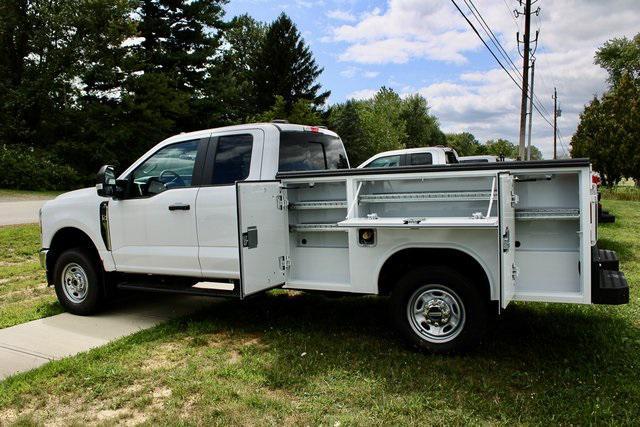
x=555 y=123
x=526 y=40
x=533 y=72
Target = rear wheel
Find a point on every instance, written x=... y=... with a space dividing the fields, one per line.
x=439 y=310
x=77 y=282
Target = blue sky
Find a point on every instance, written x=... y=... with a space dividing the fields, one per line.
x=425 y=46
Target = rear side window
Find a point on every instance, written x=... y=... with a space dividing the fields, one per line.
x=385 y=162
x=233 y=159
x=421 y=159
x=304 y=151
x=451 y=157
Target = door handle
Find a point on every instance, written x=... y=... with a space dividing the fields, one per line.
x=179 y=207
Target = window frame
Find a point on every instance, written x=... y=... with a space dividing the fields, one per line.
x=208 y=172
x=196 y=176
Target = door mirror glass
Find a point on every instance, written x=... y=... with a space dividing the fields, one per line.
x=106 y=181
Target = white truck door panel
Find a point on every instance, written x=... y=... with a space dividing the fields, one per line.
x=217 y=217
x=507 y=216
x=263 y=235
x=148 y=237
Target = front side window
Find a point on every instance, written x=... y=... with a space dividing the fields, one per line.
x=170 y=167
x=306 y=151
x=421 y=159
x=233 y=159
x=385 y=162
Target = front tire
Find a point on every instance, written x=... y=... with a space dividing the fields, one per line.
x=77 y=282
x=439 y=310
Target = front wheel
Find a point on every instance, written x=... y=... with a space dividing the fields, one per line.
x=77 y=282
x=439 y=310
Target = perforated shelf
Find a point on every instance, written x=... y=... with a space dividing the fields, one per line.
x=547 y=213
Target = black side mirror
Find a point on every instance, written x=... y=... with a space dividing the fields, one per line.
x=106 y=181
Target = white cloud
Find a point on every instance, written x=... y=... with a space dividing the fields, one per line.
x=341 y=15
x=487 y=102
x=352 y=72
x=362 y=94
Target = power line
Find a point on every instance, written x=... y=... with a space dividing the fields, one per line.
x=475 y=30
x=492 y=37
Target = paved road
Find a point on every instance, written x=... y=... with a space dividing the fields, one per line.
x=29 y=345
x=19 y=211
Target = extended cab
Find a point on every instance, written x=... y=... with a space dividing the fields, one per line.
x=238 y=210
x=437 y=155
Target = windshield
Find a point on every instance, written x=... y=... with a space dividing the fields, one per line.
x=304 y=151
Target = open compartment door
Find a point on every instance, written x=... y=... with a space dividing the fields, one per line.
x=507 y=216
x=263 y=235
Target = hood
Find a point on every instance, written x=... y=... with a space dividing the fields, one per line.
x=81 y=193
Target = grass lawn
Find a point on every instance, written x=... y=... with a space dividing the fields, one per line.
x=302 y=359
x=27 y=195
x=24 y=294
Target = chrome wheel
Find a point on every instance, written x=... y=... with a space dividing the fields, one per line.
x=436 y=313
x=75 y=283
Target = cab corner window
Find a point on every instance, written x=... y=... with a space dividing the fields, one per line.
x=170 y=167
x=451 y=157
x=233 y=159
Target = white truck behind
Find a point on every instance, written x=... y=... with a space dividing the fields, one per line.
x=236 y=211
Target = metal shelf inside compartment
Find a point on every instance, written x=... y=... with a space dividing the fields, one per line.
x=318 y=227
x=431 y=196
x=319 y=204
x=547 y=213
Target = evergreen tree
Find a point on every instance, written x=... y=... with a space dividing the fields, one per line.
x=286 y=67
x=242 y=40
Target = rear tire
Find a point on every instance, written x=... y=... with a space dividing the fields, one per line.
x=78 y=282
x=438 y=310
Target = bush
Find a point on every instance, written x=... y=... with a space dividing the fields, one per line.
x=27 y=169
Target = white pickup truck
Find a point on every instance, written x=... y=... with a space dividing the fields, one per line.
x=238 y=210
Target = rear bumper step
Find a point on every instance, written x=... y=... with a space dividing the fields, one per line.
x=607 y=259
x=608 y=284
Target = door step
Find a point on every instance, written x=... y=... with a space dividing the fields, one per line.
x=612 y=288
x=209 y=289
x=606 y=259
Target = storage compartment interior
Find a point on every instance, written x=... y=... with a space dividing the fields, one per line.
x=548 y=238
x=459 y=197
x=319 y=249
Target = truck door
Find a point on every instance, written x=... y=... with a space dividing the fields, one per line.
x=263 y=235
x=508 y=270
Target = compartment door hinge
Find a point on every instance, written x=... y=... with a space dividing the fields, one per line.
x=515 y=271
x=281 y=201
x=514 y=200
x=285 y=262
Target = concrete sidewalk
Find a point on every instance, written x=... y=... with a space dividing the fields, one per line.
x=20 y=212
x=29 y=345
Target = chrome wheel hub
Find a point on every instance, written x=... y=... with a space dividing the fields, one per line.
x=75 y=283
x=436 y=313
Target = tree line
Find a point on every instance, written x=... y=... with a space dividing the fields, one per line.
x=88 y=82
x=609 y=128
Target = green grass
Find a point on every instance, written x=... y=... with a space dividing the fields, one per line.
x=25 y=194
x=621 y=192
x=23 y=292
x=303 y=359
